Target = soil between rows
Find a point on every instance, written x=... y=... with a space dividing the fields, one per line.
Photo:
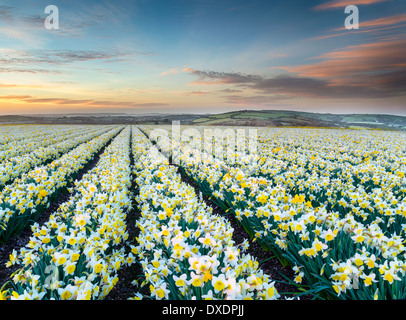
x=124 y=288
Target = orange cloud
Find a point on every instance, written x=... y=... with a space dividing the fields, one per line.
x=207 y=83
x=384 y=21
x=26 y=99
x=356 y=60
x=363 y=30
x=170 y=71
x=198 y=93
x=343 y=3
x=380 y=22
x=14 y=97
x=13 y=85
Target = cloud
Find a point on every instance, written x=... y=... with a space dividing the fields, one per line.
x=170 y=71
x=318 y=88
x=230 y=90
x=373 y=70
x=201 y=93
x=259 y=100
x=363 y=71
x=215 y=77
x=68 y=56
x=343 y=3
x=385 y=21
x=6 y=13
x=198 y=93
x=75 y=21
x=13 y=85
x=384 y=54
x=81 y=102
x=375 y=25
x=12 y=57
x=28 y=70
x=373 y=67
x=15 y=97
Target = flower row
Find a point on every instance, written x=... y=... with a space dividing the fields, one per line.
x=13 y=135
x=13 y=167
x=29 y=144
x=187 y=252
x=76 y=254
x=349 y=245
x=32 y=193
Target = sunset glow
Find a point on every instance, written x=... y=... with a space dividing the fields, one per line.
x=191 y=56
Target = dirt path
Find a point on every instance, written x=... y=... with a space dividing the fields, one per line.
x=124 y=289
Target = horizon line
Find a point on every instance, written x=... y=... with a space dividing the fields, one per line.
x=84 y=113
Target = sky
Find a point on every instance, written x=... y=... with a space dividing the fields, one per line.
x=202 y=56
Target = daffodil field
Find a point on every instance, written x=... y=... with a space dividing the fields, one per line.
x=185 y=250
x=29 y=194
x=328 y=203
x=79 y=242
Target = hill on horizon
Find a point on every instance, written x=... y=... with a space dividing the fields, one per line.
x=273 y=118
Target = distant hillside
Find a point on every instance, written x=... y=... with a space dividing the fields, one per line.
x=98 y=119
x=275 y=118
x=282 y=118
